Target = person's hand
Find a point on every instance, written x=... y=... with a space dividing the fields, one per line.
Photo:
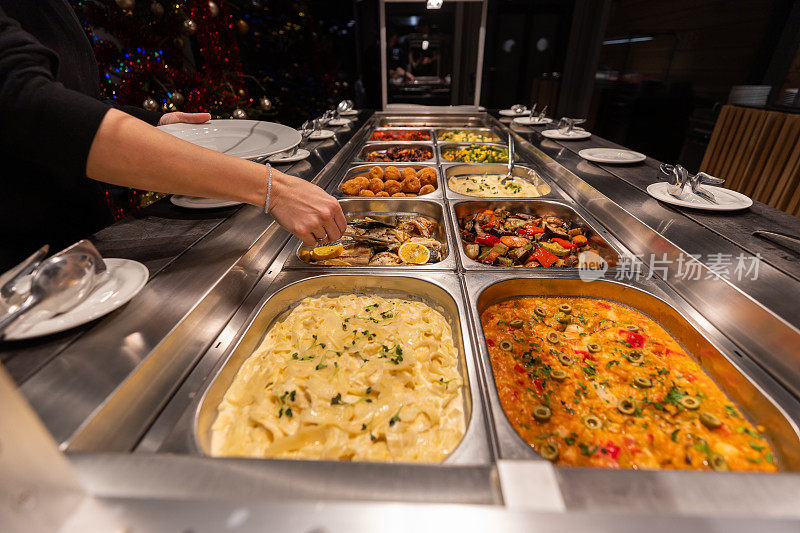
x=177 y=117
x=306 y=210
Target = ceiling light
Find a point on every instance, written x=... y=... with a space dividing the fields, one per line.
x=435 y=4
x=425 y=45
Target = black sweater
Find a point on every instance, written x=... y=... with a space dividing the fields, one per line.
x=49 y=114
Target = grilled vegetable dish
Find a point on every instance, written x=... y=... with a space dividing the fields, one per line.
x=391 y=181
x=501 y=238
x=400 y=135
x=588 y=382
x=468 y=136
x=400 y=154
x=476 y=153
x=401 y=240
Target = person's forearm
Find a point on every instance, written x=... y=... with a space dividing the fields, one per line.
x=131 y=153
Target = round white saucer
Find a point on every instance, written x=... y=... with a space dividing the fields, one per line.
x=195 y=202
x=321 y=135
x=339 y=122
x=575 y=135
x=532 y=121
x=727 y=200
x=122 y=281
x=612 y=155
x=284 y=157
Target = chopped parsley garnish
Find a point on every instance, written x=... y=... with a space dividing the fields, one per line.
x=337 y=400
x=585 y=450
x=395 y=419
x=612 y=363
x=674 y=435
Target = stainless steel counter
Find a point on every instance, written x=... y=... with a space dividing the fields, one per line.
x=122 y=396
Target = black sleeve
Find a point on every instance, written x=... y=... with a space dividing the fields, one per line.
x=40 y=119
x=151 y=117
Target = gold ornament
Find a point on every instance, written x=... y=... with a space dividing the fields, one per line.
x=213 y=8
x=167 y=107
x=157 y=9
x=189 y=27
x=265 y=103
x=176 y=98
x=241 y=92
x=150 y=104
x=239 y=113
x=126 y=5
x=242 y=26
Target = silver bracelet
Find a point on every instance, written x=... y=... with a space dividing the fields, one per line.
x=269 y=188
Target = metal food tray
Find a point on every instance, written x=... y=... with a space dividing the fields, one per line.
x=434 y=121
x=364 y=169
x=442 y=146
x=441 y=291
x=430 y=132
x=360 y=207
x=470 y=130
x=605 y=244
x=756 y=403
x=525 y=172
x=380 y=146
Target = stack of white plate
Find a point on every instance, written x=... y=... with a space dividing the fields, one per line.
x=788 y=97
x=752 y=95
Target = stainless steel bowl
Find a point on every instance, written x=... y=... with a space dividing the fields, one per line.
x=364 y=169
x=385 y=145
x=466 y=169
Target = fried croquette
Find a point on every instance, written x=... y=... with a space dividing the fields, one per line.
x=427 y=176
x=382 y=193
x=376 y=172
x=426 y=189
x=392 y=186
x=376 y=185
x=411 y=185
x=408 y=172
x=391 y=173
x=366 y=192
x=351 y=187
x=398 y=194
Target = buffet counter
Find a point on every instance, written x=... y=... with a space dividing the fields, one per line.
x=132 y=398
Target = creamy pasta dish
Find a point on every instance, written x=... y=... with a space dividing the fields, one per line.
x=493 y=185
x=352 y=377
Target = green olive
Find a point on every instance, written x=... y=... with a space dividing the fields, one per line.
x=516 y=323
x=642 y=382
x=690 y=402
x=710 y=420
x=635 y=356
x=542 y=413
x=564 y=359
x=563 y=320
x=552 y=337
x=506 y=346
x=592 y=422
x=558 y=374
x=626 y=406
x=631 y=327
x=718 y=462
x=593 y=347
x=541 y=311
x=549 y=451
x=565 y=308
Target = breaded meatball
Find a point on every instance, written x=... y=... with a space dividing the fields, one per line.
x=351 y=187
x=382 y=193
x=426 y=189
x=391 y=173
x=408 y=172
x=376 y=185
x=363 y=182
x=366 y=192
x=427 y=176
x=399 y=194
x=392 y=186
x=376 y=172
x=411 y=185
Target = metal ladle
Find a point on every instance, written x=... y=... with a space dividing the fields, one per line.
x=511 y=156
x=59 y=284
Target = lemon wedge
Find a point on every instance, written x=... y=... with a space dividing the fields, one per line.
x=414 y=253
x=320 y=253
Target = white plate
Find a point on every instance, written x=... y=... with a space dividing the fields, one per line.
x=575 y=135
x=339 y=121
x=196 y=202
x=321 y=135
x=611 y=155
x=510 y=113
x=349 y=113
x=247 y=139
x=284 y=157
x=727 y=200
x=123 y=280
x=535 y=121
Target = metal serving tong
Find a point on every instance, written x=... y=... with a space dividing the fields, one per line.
x=57 y=284
x=567 y=125
x=511 y=156
x=679 y=177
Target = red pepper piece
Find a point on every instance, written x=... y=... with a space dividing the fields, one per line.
x=604 y=306
x=513 y=242
x=539 y=384
x=562 y=242
x=544 y=257
x=490 y=342
x=586 y=355
x=491 y=258
x=487 y=240
x=612 y=449
x=636 y=340
x=519 y=369
x=488 y=226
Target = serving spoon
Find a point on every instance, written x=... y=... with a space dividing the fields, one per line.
x=510 y=171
